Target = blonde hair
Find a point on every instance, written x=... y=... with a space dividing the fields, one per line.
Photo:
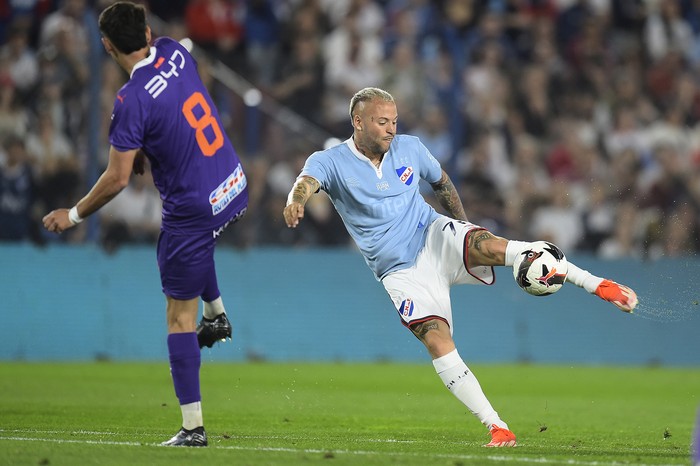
x=367 y=94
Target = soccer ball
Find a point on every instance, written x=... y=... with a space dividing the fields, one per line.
x=541 y=269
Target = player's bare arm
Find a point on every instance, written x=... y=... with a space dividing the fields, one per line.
x=448 y=197
x=139 y=167
x=302 y=190
x=111 y=182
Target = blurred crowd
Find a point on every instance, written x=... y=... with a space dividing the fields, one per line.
x=575 y=121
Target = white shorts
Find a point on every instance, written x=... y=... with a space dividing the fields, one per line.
x=422 y=292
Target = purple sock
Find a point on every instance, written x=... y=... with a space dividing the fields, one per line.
x=185 y=360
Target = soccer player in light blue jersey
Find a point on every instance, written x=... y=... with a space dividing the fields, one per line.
x=164 y=113
x=415 y=252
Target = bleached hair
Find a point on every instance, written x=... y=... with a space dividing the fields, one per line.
x=367 y=94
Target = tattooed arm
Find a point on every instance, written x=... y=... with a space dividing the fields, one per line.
x=484 y=248
x=302 y=190
x=448 y=197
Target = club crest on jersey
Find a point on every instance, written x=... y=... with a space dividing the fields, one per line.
x=406 y=307
x=228 y=190
x=405 y=175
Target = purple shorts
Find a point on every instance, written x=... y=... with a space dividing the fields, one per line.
x=186 y=263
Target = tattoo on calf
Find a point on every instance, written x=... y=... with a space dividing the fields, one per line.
x=422 y=329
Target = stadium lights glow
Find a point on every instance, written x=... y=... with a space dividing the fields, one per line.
x=252 y=97
x=330 y=142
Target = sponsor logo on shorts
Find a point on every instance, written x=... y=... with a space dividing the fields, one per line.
x=407 y=307
x=228 y=190
x=233 y=219
x=405 y=175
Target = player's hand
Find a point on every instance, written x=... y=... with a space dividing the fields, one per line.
x=293 y=213
x=139 y=163
x=57 y=221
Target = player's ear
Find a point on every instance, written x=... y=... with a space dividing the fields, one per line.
x=107 y=45
x=148 y=34
x=356 y=121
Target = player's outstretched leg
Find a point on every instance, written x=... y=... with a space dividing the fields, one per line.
x=620 y=295
x=196 y=437
x=209 y=331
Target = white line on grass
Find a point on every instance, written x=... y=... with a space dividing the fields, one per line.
x=62 y=440
x=289 y=438
x=494 y=458
x=72 y=432
x=242 y=437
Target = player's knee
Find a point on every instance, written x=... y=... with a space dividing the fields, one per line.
x=181 y=316
x=181 y=325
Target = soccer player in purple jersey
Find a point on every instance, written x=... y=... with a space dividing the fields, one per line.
x=165 y=114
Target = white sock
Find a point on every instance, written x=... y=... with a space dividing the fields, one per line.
x=513 y=248
x=214 y=308
x=583 y=278
x=192 y=415
x=576 y=275
x=463 y=384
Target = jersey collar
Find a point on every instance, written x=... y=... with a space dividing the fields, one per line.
x=146 y=61
x=353 y=148
x=351 y=144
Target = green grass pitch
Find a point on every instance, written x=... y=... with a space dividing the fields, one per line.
x=344 y=414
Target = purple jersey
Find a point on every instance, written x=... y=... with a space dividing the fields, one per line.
x=165 y=110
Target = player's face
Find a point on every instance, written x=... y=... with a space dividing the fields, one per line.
x=378 y=126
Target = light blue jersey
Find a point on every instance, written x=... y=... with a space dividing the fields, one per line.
x=382 y=208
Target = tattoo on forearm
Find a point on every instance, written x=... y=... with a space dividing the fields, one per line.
x=304 y=189
x=448 y=197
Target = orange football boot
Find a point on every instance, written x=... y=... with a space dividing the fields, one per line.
x=620 y=295
x=501 y=437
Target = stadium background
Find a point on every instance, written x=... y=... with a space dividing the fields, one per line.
x=574 y=121
x=105 y=308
